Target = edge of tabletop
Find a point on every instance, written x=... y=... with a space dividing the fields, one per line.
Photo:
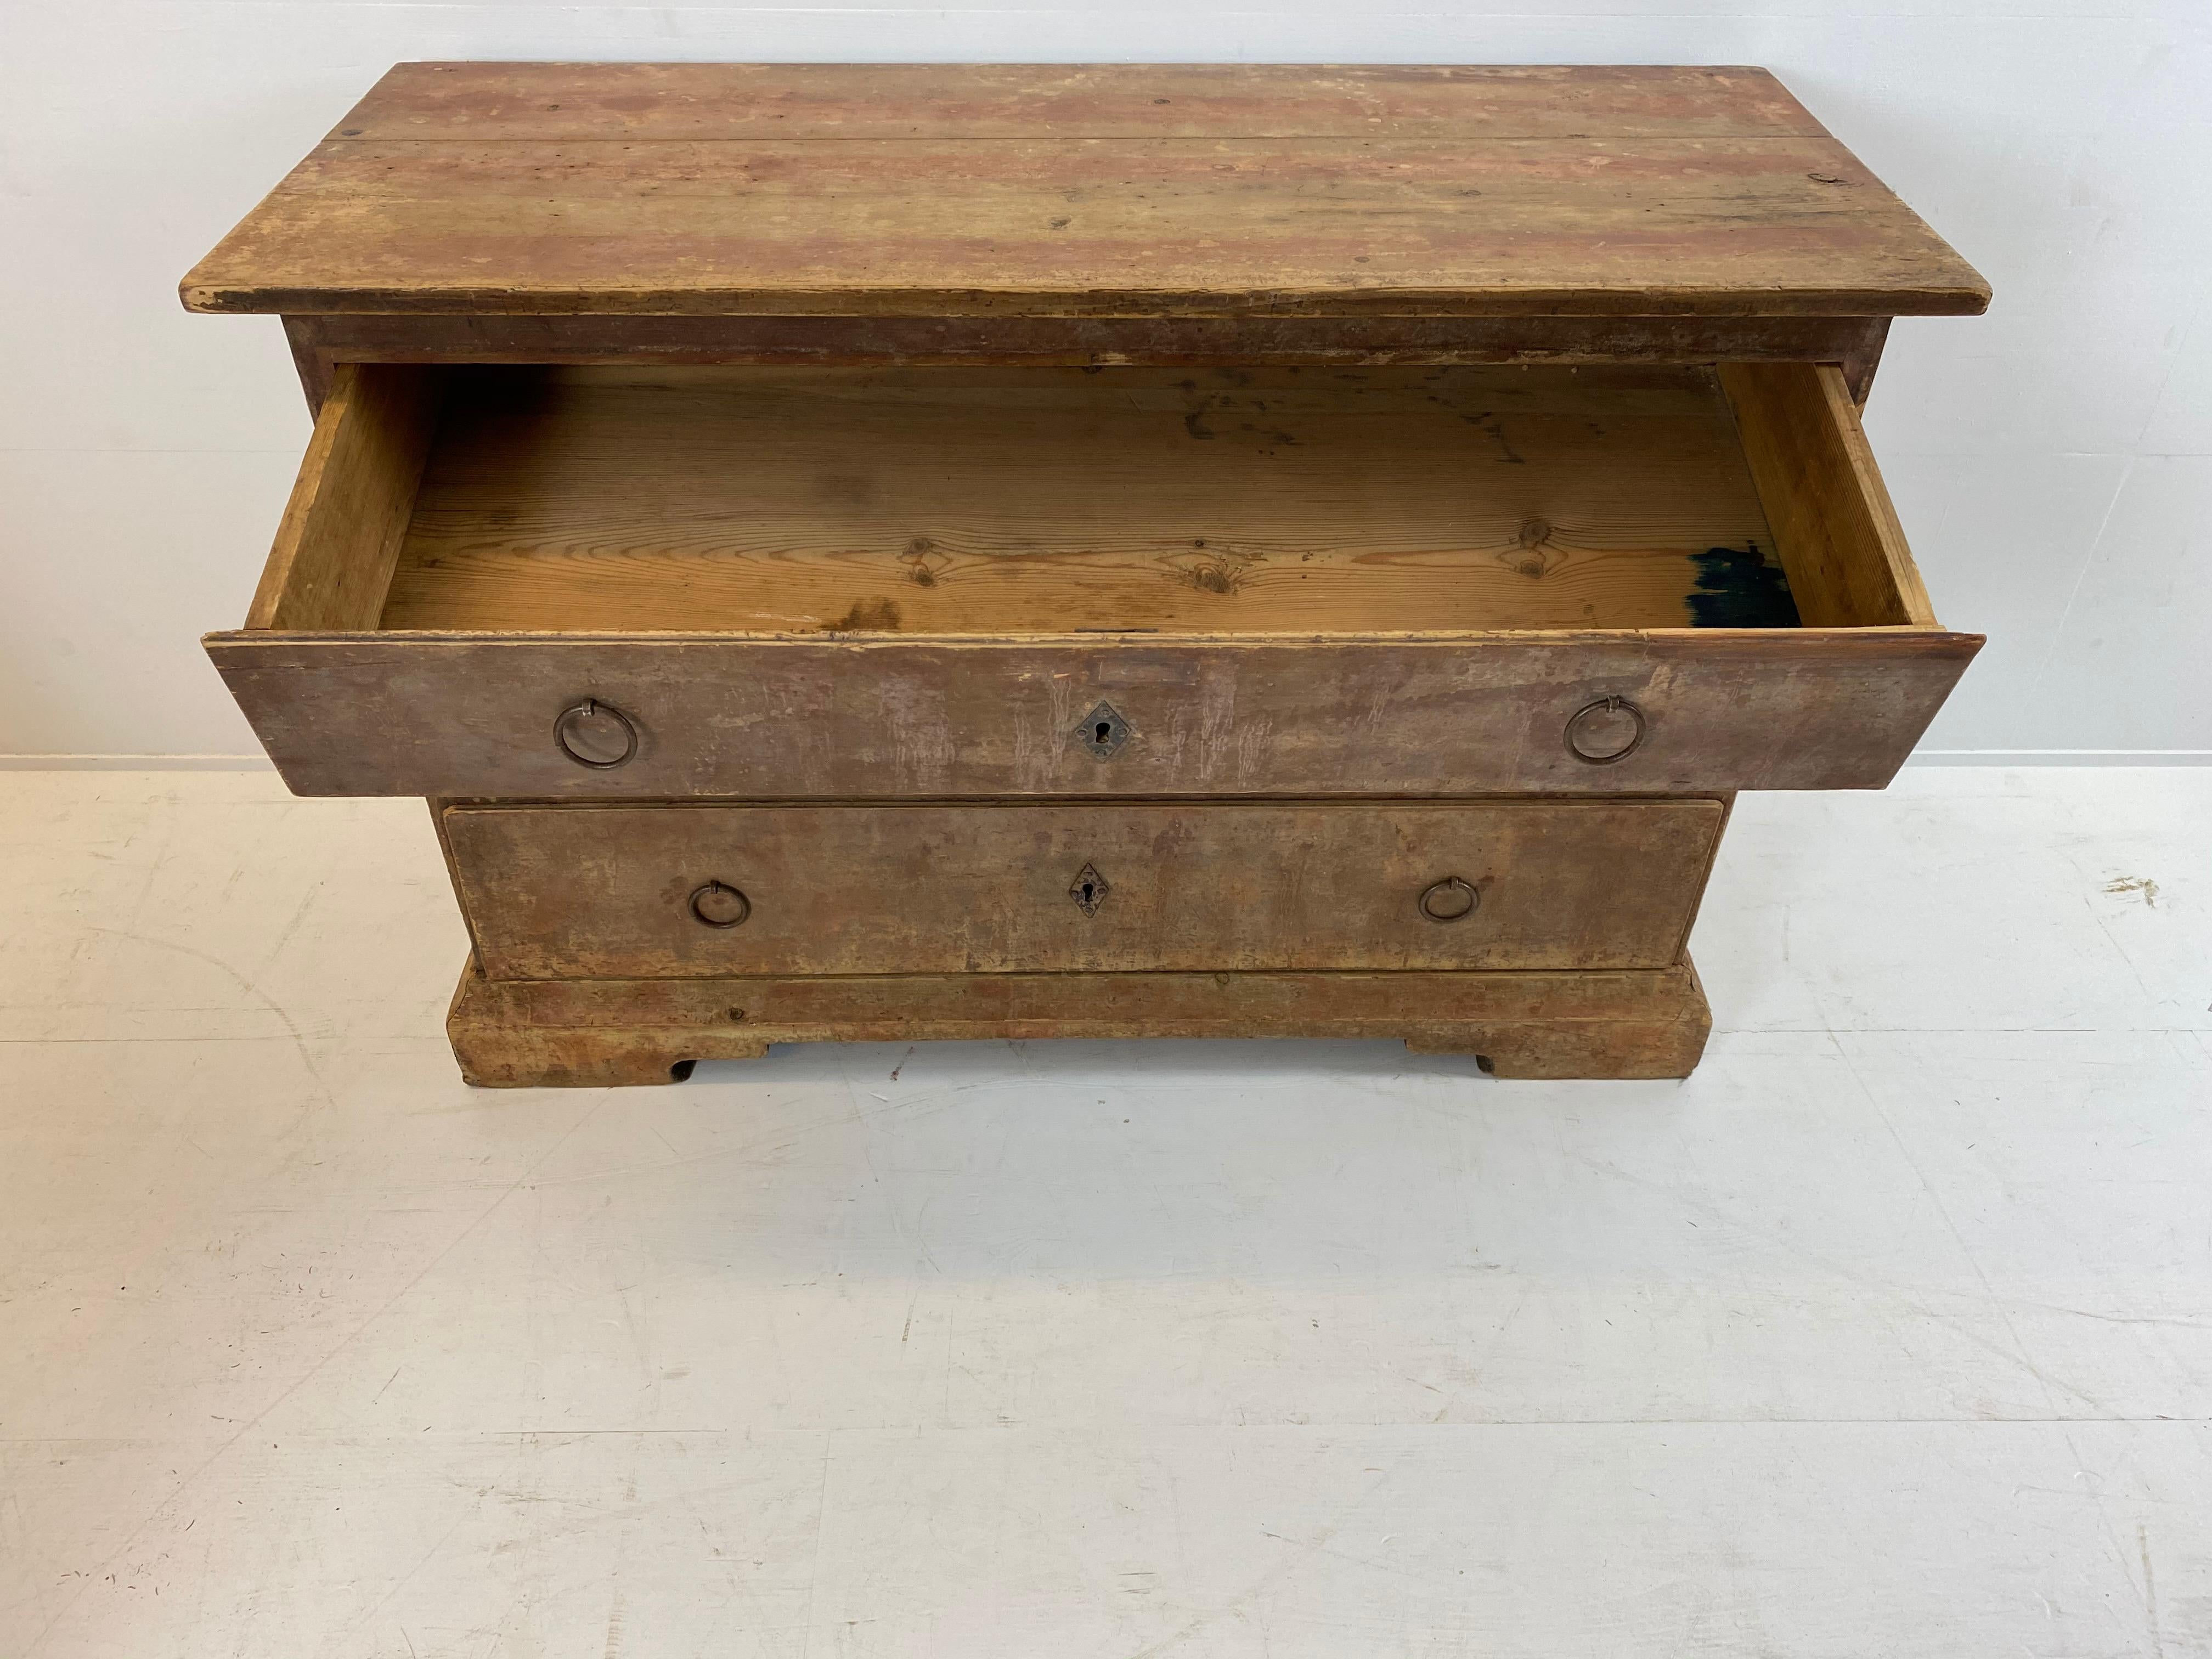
x=218 y=298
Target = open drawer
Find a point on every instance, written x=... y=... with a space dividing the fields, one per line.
x=770 y=583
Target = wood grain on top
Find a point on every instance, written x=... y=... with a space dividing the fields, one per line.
x=962 y=190
x=1068 y=101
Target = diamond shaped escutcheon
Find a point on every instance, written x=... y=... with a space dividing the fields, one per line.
x=1103 y=731
x=1089 y=889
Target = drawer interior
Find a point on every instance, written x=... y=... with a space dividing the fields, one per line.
x=979 y=501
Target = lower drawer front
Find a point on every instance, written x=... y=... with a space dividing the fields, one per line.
x=557 y=892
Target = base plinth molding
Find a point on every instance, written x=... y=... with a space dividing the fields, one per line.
x=597 y=1033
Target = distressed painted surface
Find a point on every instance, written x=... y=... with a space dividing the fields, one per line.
x=642 y=102
x=718 y=189
x=320 y=343
x=430 y=714
x=627 y=1033
x=603 y=892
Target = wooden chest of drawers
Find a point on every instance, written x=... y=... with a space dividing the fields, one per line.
x=924 y=551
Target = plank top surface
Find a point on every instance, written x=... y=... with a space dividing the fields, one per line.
x=950 y=190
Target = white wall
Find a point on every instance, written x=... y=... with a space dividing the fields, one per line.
x=2052 y=461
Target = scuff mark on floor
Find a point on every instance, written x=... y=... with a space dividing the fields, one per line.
x=2143 y=884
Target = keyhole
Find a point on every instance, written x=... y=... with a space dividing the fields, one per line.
x=1089 y=889
x=1102 y=732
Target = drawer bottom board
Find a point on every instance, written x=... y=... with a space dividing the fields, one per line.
x=597 y=1033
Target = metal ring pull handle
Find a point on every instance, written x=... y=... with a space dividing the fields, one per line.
x=718 y=904
x=1449 y=900
x=1604 y=706
x=592 y=709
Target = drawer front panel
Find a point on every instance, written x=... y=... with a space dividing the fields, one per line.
x=652 y=892
x=440 y=715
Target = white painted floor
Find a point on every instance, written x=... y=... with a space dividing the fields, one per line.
x=1890 y=1332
